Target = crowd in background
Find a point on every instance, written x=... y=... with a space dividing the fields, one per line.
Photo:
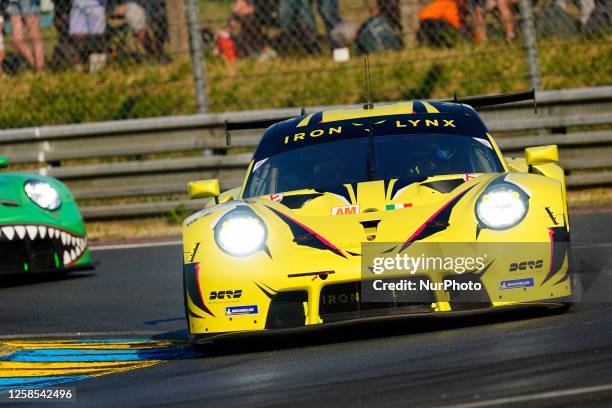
x=441 y=24
x=91 y=31
x=84 y=28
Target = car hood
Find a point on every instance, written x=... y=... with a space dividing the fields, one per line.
x=373 y=197
x=435 y=209
x=382 y=211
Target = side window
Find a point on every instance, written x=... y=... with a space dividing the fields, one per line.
x=260 y=180
x=482 y=160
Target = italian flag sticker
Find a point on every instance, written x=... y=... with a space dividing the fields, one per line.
x=389 y=207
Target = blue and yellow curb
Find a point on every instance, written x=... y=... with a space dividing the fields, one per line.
x=32 y=364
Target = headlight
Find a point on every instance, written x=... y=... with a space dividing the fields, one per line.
x=43 y=195
x=502 y=206
x=240 y=233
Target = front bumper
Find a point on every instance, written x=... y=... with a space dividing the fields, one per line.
x=328 y=299
x=34 y=248
x=431 y=319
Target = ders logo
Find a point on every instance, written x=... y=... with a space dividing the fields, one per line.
x=527 y=265
x=226 y=294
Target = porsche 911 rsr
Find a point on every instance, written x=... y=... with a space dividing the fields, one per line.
x=393 y=210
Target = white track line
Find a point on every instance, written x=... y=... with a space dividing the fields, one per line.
x=132 y=246
x=534 y=397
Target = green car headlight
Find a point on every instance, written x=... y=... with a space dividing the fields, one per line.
x=43 y=195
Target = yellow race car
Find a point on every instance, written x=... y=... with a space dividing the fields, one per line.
x=390 y=210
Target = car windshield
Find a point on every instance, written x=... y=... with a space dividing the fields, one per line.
x=417 y=156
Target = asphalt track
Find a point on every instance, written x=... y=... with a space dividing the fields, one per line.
x=527 y=359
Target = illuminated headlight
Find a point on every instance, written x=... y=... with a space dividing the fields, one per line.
x=501 y=207
x=240 y=233
x=43 y=195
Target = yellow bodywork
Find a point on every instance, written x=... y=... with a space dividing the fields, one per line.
x=286 y=266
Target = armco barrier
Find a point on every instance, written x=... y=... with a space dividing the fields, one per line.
x=143 y=160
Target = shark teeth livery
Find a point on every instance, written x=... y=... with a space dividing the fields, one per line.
x=71 y=246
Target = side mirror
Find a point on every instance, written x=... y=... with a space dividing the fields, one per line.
x=204 y=189
x=4 y=162
x=541 y=155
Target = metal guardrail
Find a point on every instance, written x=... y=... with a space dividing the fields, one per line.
x=151 y=158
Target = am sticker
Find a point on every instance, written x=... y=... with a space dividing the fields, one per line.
x=345 y=210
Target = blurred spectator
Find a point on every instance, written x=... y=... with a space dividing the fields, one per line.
x=554 y=20
x=390 y=11
x=440 y=22
x=252 y=41
x=147 y=20
x=298 y=26
x=27 y=11
x=87 y=28
x=600 y=17
x=136 y=19
x=507 y=15
x=586 y=8
x=63 y=52
x=374 y=35
x=330 y=14
x=157 y=20
x=476 y=10
x=226 y=43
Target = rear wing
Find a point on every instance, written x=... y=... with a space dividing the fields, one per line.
x=250 y=124
x=253 y=124
x=473 y=101
x=493 y=100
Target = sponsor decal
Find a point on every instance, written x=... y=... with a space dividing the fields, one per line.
x=345 y=210
x=258 y=164
x=425 y=123
x=338 y=130
x=517 y=283
x=226 y=294
x=484 y=142
x=277 y=198
x=241 y=310
x=340 y=298
x=299 y=137
x=470 y=176
x=527 y=265
x=390 y=207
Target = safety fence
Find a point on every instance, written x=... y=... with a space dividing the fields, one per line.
x=104 y=60
x=141 y=167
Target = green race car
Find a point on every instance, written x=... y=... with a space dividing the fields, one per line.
x=41 y=228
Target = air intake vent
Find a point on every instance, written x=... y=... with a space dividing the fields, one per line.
x=444 y=186
x=287 y=310
x=467 y=299
x=298 y=201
